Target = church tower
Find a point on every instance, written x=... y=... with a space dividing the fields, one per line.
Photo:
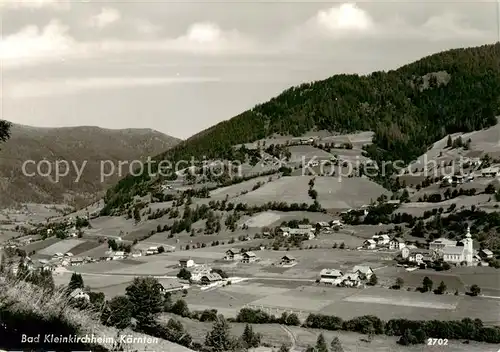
x=468 y=248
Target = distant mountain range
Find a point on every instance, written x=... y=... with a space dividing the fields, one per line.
x=76 y=145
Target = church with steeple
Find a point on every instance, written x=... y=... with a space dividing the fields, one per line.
x=461 y=252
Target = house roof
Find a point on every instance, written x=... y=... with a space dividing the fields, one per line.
x=487 y=251
x=351 y=276
x=285 y=229
x=453 y=250
x=384 y=237
x=331 y=272
x=422 y=251
x=300 y=231
x=231 y=251
x=397 y=239
x=212 y=277
x=184 y=260
x=76 y=292
x=305 y=226
x=371 y=241
x=362 y=269
x=444 y=241
x=490 y=169
x=249 y=254
x=289 y=257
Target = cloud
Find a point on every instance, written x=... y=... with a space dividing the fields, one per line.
x=33 y=45
x=348 y=21
x=35 y=4
x=33 y=89
x=106 y=17
x=346 y=17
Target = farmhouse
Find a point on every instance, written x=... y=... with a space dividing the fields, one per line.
x=152 y=250
x=330 y=276
x=441 y=243
x=232 y=254
x=248 y=257
x=365 y=272
x=118 y=255
x=396 y=244
x=370 y=244
x=306 y=226
x=302 y=232
x=485 y=254
x=171 y=288
x=210 y=278
x=288 y=260
x=186 y=263
x=77 y=261
x=417 y=255
x=198 y=272
x=350 y=280
x=336 y=223
x=77 y=293
x=490 y=172
x=382 y=240
x=323 y=224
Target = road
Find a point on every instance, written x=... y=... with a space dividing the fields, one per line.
x=292 y=337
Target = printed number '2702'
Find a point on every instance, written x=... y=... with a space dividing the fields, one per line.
x=437 y=342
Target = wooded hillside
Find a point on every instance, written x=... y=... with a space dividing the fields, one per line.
x=408 y=109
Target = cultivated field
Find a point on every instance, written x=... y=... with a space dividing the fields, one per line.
x=286 y=189
x=63 y=246
x=344 y=193
x=344 y=302
x=263 y=220
x=303 y=153
x=40 y=245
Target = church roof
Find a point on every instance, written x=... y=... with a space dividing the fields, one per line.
x=453 y=250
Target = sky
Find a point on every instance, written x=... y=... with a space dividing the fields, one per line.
x=182 y=66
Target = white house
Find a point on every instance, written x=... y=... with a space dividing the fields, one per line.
x=232 y=254
x=118 y=255
x=186 y=263
x=490 y=172
x=198 y=272
x=417 y=255
x=350 y=280
x=306 y=226
x=396 y=244
x=440 y=243
x=77 y=261
x=302 y=232
x=370 y=244
x=382 y=240
x=77 y=293
x=330 y=276
x=152 y=250
x=485 y=254
x=364 y=271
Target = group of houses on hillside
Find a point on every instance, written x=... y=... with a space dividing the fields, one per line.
x=200 y=274
x=450 y=251
x=384 y=241
x=353 y=278
x=243 y=257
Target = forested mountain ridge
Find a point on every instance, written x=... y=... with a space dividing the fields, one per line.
x=408 y=109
